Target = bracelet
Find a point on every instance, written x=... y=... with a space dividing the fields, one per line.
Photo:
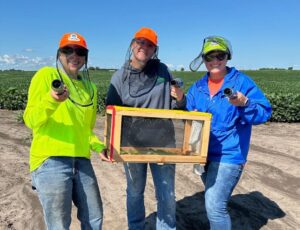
x=247 y=102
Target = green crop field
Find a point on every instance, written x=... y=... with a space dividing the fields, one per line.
x=282 y=87
x=270 y=81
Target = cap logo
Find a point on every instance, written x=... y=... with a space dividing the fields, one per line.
x=73 y=37
x=213 y=43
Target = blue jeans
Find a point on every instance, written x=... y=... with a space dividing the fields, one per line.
x=61 y=180
x=164 y=182
x=219 y=179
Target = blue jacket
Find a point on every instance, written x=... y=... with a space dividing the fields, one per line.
x=231 y=125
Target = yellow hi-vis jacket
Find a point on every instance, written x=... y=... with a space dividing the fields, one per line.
x=60 y=128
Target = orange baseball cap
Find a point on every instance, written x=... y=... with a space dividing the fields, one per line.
x=72 y=39
x=148 y=34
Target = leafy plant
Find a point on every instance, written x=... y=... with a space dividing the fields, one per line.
x=280 y=86
x=19 y=116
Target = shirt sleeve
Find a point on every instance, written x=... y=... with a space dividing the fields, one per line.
x=190 y=99
x=114 y=94
x=40 y=105
x=258 y=109
x=95 y=144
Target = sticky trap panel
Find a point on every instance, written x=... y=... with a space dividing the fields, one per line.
x=155 y=135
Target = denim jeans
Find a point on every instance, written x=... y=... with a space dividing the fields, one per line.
x=164 y=182
x=61 y=180
x=219 y=179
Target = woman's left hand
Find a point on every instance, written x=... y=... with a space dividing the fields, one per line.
x=177 y=93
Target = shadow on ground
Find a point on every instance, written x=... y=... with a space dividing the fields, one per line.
x=247 y=211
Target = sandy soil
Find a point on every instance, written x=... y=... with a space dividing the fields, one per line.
x=267 y=196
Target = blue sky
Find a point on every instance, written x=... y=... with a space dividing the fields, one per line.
x=263 y=33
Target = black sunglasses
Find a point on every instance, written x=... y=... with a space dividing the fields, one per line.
x=142 y=42
x=70 y=50
x=210 y=57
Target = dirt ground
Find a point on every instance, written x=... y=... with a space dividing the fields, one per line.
x=267 y=196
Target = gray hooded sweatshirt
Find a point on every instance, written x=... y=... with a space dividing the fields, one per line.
x=146 y=88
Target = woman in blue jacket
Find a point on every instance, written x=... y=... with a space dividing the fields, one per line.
x=236 y=104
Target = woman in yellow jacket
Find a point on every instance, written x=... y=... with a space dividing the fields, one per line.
x=61 y=111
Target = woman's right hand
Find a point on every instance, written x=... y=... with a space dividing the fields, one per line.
x=60 y=97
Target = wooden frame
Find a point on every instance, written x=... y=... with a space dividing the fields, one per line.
x=184 y=154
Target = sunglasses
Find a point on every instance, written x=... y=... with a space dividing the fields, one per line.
x=70 y=50
x=142 y=42
x=210 y=57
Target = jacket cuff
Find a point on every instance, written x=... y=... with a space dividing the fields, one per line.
x=182 y=103
x=50 y=102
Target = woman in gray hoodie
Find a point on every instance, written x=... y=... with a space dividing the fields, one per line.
x=145 y=82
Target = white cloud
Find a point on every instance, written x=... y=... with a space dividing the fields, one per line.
x=296 y=67
x=22 y=62
x=175 y=67
x=179 y=67
x=28 y=50
x=6 y=59
x=170 y=66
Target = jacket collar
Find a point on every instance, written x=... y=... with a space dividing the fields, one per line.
x=229 y=80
